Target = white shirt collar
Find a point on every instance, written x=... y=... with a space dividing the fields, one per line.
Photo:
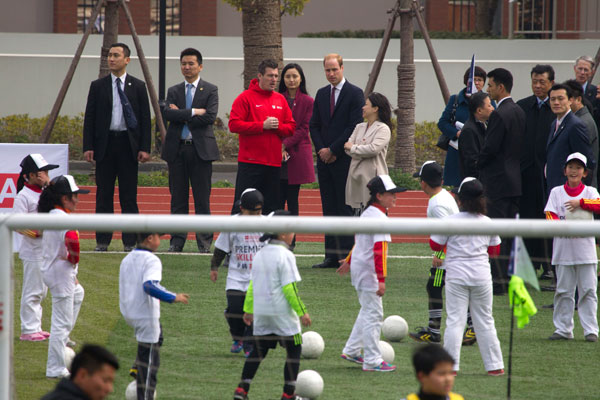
x=500 y=102
x=560 y=120
x=340 y=85
x=584 y=86
x=195 y=83
x=122 y=78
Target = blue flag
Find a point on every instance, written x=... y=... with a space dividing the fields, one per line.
x=471 y=89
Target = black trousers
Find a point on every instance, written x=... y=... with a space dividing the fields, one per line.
x=531 y=206
x=289 y=194
x=506 y=207
x=117 y=163
x=332 y=186
x=234 y=314
x=187 y=170
x=147 y=362
x=261 y=177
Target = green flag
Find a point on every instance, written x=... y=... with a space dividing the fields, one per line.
x=520 y=300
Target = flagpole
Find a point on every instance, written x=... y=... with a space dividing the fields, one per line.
x=510 y=346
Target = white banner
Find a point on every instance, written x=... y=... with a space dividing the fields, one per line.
x=11 y=156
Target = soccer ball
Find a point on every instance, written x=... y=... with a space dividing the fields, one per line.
x=69 y=355
x=312 y=345
x=387 y=352
x=309 y=384
x=394 y=328
x=579 y=214
x=131 y=391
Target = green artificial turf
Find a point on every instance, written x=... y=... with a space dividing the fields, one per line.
x=196 y=362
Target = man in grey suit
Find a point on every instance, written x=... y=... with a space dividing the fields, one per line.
x=190 y=146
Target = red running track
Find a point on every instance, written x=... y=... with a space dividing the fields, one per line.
x=157 y=200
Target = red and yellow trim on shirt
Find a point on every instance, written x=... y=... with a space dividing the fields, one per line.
x=592 y=205
x=380 y=252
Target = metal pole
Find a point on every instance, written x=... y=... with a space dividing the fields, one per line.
x=511 y=22
x=7 y=376
x=45 y=136
x=147 y=75
x=162 y=46
x=554 y=17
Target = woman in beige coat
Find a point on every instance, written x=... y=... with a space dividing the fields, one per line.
x=368 y=147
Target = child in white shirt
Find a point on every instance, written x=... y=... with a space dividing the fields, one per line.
x=575 y=258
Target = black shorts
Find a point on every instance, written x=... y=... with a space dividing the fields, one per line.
x=270 y=341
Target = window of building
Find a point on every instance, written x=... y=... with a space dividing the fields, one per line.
x=172 y=13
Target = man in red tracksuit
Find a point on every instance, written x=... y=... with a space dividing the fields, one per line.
x=262 y=118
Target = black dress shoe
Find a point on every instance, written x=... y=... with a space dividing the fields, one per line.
x=127 y=249
x=204 y=250
x=175 y=249
x=101 y=247
x=327 y=263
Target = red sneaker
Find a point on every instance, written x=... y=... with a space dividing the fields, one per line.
x=496 y=372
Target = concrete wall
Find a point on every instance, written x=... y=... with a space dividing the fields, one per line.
x=27 y=16
x=34 y=66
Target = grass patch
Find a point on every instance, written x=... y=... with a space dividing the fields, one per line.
x=195 y=358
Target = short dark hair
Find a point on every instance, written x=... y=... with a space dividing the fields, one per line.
x=268 y=63
x=283 y=88
x=576 y=88
x=126 y=50
x=425 y=358
x=191 y=52
x=540 y=69
x=140 y=237
x=91 y=358
x=476 y=101
x=502 y=77
x=562 y=86
x=480 y=72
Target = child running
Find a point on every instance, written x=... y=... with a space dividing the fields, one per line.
x=59 y=270
x=274 y=306
x=367 y=263
x=140 y=294
x=32 y=180
x=469 y=280
x=241 y=247
x=433 y=368
x=575 y=258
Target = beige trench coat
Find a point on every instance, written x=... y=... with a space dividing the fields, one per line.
x=368 y=160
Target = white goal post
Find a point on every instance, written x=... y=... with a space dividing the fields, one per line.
x=197 y=223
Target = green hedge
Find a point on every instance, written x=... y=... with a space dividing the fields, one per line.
x=378 y=34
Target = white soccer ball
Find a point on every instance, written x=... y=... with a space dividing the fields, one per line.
x=387 y=352
x=312 y=345
x=131 y=391
x=394 y=328
x=579 y=214
x=309 y=384
x=69 y=355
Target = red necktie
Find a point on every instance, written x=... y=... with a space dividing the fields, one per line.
x=332 y=101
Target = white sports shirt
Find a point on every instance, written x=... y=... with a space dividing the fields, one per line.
x=441 y=205
x=273 y=268
x=242 y=246
x=59 y=274
x=362 y=264
x=26 y=202
x=136 y=268
x=571 y=250
x=467 y=261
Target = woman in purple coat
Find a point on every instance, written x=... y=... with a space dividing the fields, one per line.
x=298 y=165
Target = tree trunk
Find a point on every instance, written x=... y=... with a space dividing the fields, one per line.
x=484 y=15
x=405 y=131
x=111 y=34
x=261 y=22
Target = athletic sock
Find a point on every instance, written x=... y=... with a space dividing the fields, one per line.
x=289 y=388
x=245 y=384
x=469 y=320
x=435 y=321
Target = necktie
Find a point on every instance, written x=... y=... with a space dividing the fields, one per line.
x=130 y=118
x=185 y=132
x=332 y=101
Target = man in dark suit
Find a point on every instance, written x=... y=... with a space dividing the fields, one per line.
x=116 y=134
x=190 y=146
x=499 y=163
x=568 y=134
x=473 y=133
x=336 y=111
x=539 y=117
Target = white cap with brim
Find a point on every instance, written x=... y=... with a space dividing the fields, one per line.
x=382 y=184
x=65 y=184
x=577 y=156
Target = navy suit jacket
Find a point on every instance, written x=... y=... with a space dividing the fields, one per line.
x=333 y=131
x=571 y=137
